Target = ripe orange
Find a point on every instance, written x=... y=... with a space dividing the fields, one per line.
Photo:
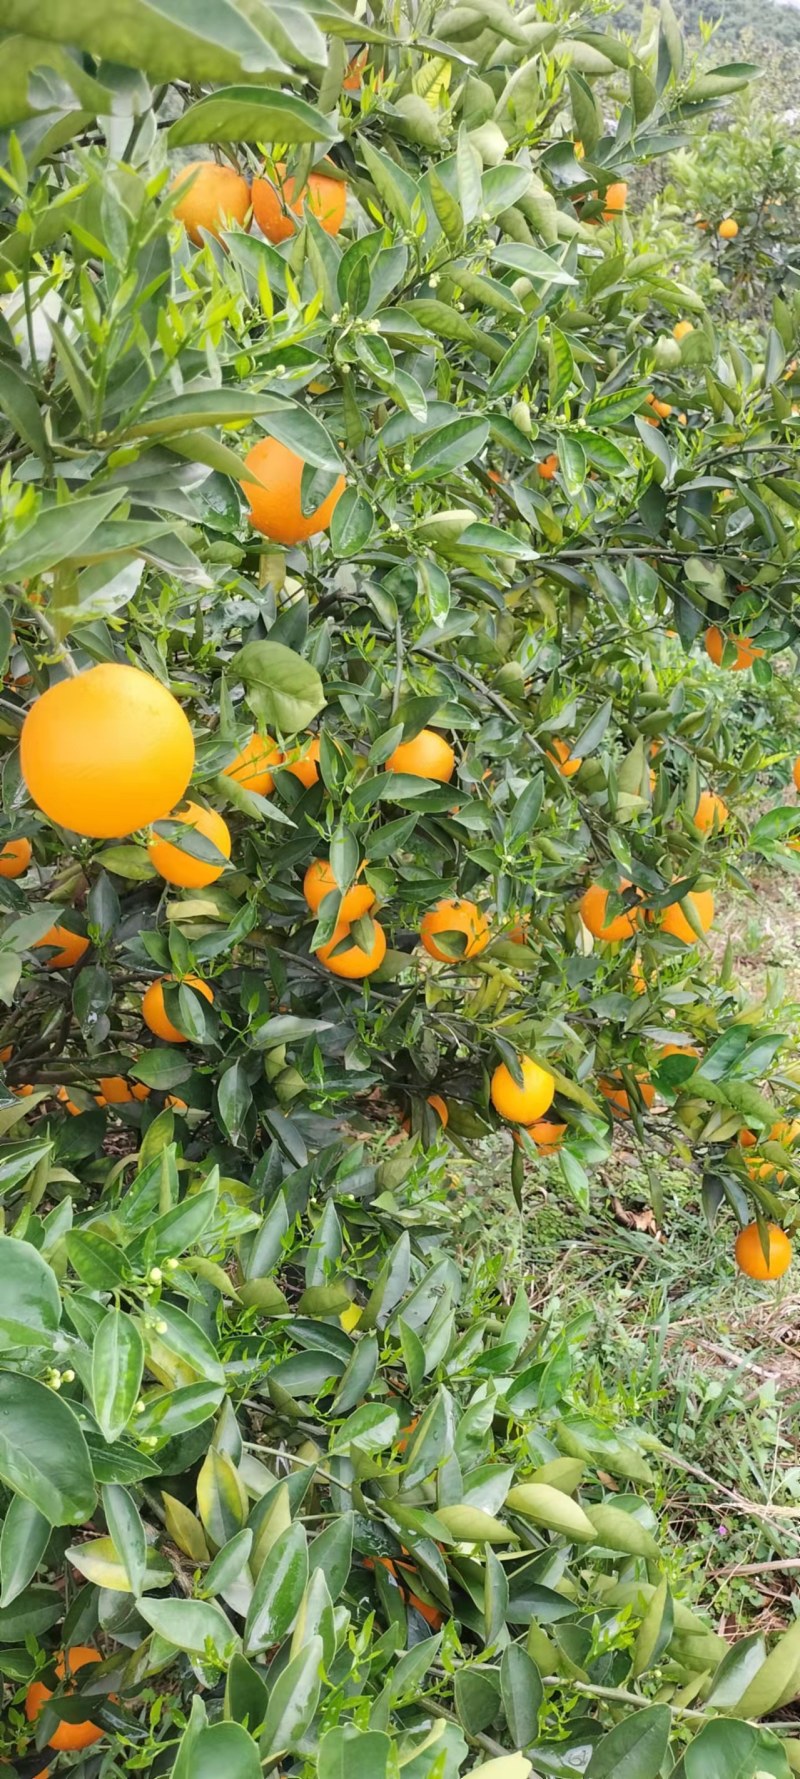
x=15 y=857
x=319 y=882
x=548 y=468
x=677 y=1050
x=440 y=1108
x=106 y=752
x=785 y=1132
x=796 y=773
x=275 y=507
x=593 y=904
x=454 y=917
x=613 y=1089
x=426 y=755
x=710 y=811
x=303 y=762
x=547 y=1136
x=729 y=229
x=746 y=651
x=615 y=198
x=750 y=1256
x=213 y=197
x=6 y=1053
x=68 y=947
x=276 y=206
x=674 y=921
x=525 y=1104
x=251 y=765
x=354 y=963
x=681 y=329
x=662 y=409
x=68 y=1735
x=355 y=69
x=180 y=867
x=62 y=1094
x=154 y=1012
x=638 y=978
x=116 y=1091
x=559 y=753
x=23 y=1092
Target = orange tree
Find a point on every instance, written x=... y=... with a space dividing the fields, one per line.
x=367 y=482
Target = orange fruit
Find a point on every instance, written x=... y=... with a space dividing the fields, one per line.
x=677 y=1050
x=613 y=1089
x=440 y=1108
x=355 y=69
x=426 y=755
x=319 y=882
x=710 y=811
x=62 y=1094
x=68 y=947
x=638 y=978
x=746 y=651
x=275 y=507
x=681 y=329
x=593 y=905
x=525 y=1104
x=559 y=753
x=106 y=752
x=276 y=206
x=67 y=1735
x=615 y=198
x=6 y=1053
x=180 y=867
x=116 y=1091
x=548 y=468
x=251 y=767
x=750 y=1256
x=303 y=762
x=354 y=963
x=728 y=229
x=663 y=409
x=178 y=1105
x=785 y=1132
x=454 y=917
x=673 y=919
x=23 y=1092
x=747 y=1139
x=796 y=773
x=547 y=1136
x=154 y=1012
x=213 y=197
x=15 y=857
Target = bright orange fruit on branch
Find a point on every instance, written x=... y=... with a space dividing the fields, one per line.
x=593 y=905
x=154 y=1012
x=15 y=857
x=525 y=1104
x=106 y=752
x=67 y=1735
x=116 y=1091
x=275 y=207
x=729 y=229
x=353 y=963
x=182 y=868
x=750 y=1256
x=320 y=882
x=68 y=947
x=275 y=500
x=674 y=921
x=681 y=329
x=615 y=198
x=251 y=767
x=559 y=753
x=303 y=762
x=710 y=811
x=426 y=755
x=746 y=651
x=213 y=197
x=454 y=917
x=548 y=468
x=613 y=1089
x=548 y=1136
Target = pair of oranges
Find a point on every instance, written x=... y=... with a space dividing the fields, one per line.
x=594 y=903
x=342 y=954
x=210 y=197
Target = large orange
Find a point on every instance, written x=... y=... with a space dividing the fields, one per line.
x=729 y=229
x=426 y=755
x=615 y=197
x=303 y=762
x=275 y=506
x=525 y=1104
x=276 y=206
x=548 y=1136
x=15 y=857
x=67 y=1735
x=180 y=867
x=213 y=197
x=560 y=754
x=154 y=1012
x=116 y=1091
x=354 y=963
x=62 y=1095
x=454 y=917
x=251 y=766
x=320 y=882
x=750 y=1256
x=613 y=1089
x=106 y=752
x=674 y=921
x=710 y=811
x=593 y=905
x=746 y=651
x=68 y=947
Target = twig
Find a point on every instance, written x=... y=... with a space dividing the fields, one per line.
x=63 y=653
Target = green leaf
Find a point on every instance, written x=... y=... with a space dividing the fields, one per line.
x=33 y=1612
x=293 y=1701
x=229 y=1563
x=734 y=1750
x=351 y=523
x=35 y=1425
x=100 y=1561
x=350 y=1753
x=332 y=1551
x=635 y=1748
x=278 y=1591
x=450 y=447
x=522 y=1694
x=97 y=1261
x=516 y=362
x=779 y=1675
x=164 y=41
x=655 y=1630
x=29 y=1294
x=251 y=114
x=222 y=1749
x=56 y=532
x=19 y=404
x=549 y=1507
x=117 y=1366
x=128 y=1537
x=283 y=691
x=23 y=1542
x=190 y=1625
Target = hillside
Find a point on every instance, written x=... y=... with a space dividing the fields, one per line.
x=775 y=24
